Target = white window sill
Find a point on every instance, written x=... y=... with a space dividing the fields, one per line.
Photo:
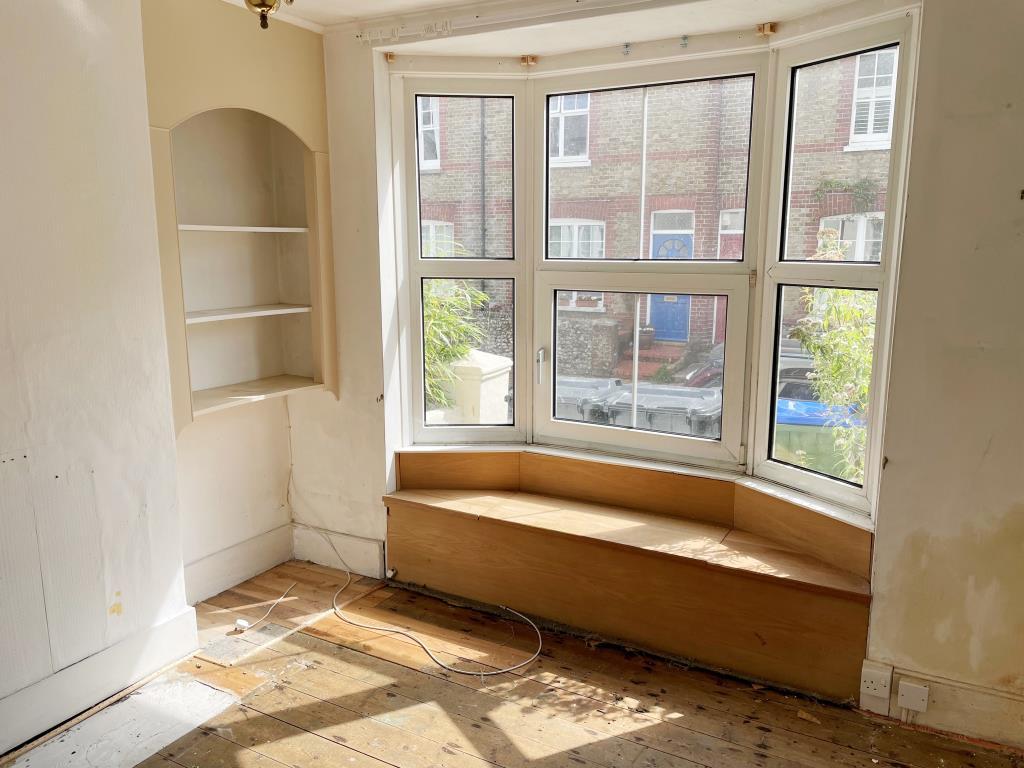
x=571 y=162
x=867 y=146
x=807 y=501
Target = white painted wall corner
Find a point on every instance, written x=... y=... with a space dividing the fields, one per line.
x=222 y=570
x=364 y=556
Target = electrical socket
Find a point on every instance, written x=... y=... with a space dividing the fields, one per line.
x=875 y=679
x=875 y=683
x=913 y=696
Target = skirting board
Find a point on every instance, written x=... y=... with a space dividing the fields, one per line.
x=39 y=707
x=969 y=710
x=364 y=556
x=222 y=570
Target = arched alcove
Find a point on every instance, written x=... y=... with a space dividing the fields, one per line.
x=242 y=190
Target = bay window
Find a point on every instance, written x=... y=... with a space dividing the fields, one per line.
x=640 y=302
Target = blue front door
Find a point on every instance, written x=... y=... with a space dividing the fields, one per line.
x=670 y=313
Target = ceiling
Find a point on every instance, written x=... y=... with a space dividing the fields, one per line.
x=327 y=12
x=685 y=17
x=696 y=17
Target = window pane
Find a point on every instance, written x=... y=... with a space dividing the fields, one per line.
x=673 y=221
x=430 y=152
x=732 y=221
x=575 y=136
x=833 y=112
x=471 y=186
x=825 y=352
x=468 y=351
x=693 y=156
x=674 y=373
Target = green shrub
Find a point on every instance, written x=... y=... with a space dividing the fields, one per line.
x=449 y=333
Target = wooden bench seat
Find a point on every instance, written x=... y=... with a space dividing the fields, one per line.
x=649 y=575
x=713 y=545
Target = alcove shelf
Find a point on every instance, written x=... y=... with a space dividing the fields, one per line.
x=252 y=293
x=218 y=398
x=220 y=228
x=238 y=313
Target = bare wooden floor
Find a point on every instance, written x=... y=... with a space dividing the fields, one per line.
x=315 y=691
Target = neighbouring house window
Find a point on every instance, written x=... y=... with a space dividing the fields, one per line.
x=428 y=126
x=575 y=239
x=730 y=234
x=437 y=239
x=569 y=127
x=874 y=88
x=859 y=235
x=578 y=240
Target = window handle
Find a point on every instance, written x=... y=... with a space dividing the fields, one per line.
x=540 y=365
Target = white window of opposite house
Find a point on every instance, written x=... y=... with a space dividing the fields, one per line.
x=730 y=234
x=569 y=128
x=428 y=125
x=859 y=235
x=874 y=87
x=437 y=239
x=575 y=239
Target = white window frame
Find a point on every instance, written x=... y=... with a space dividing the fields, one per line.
x=422 y=130
x=547 y=429
x=860 y=241
x=433 y=226
x=751 y=284
x=872 y=139
x=649 y=276
x=878 y=276
x=405 y=89
x=562 y=159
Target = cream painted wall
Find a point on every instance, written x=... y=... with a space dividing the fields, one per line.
x=340 y=462
x=206 y=54
x=949 y=551
x=91 y=588
x=234 y=466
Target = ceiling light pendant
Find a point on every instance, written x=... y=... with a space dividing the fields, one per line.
x=264 y=9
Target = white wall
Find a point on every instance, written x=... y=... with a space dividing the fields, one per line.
x=338 y=447
x=949 y=551
x=233 y=469
x=91 y=588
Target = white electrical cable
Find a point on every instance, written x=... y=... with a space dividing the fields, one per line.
x=242 y=625
x=396 y=631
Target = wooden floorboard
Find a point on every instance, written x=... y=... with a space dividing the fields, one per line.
x=315 y=691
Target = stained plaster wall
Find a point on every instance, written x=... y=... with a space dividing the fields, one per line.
x=91 y=587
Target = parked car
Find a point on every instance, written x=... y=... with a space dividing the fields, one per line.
x=709 y=373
